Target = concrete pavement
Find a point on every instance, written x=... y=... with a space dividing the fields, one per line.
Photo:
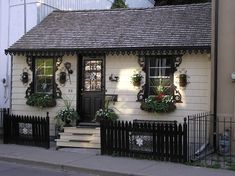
x=91 y=161
x=13 y=169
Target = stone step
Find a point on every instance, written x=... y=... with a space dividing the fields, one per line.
x=77 y=130
x=88 y=137
x=86 y=124
x=62 y=143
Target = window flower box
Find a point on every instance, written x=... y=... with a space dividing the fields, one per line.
x=41 y=100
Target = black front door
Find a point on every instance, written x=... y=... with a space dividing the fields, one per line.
x=92 y=87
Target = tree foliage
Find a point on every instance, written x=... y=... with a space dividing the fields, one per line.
x=176 y=2
x=118 y=4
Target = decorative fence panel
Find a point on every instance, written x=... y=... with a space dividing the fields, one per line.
x=26 y=130
x=159 y=140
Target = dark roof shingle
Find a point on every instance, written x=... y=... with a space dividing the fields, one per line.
x=167 y=26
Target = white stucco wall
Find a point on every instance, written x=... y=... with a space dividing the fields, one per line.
x=19 y=106
x=195 y=97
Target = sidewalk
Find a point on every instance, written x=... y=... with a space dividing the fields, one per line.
x=91 y=161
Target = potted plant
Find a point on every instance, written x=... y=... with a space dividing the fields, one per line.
x=41 y=100
x=106 y=113
x=136 y=79
x=66 y=115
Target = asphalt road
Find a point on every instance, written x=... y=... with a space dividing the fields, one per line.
x=13 y=169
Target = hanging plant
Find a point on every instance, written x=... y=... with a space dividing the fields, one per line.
x=136 y=79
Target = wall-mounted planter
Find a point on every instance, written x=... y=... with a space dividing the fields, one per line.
x=136 y=83
x=183 y=80
x=62 y=77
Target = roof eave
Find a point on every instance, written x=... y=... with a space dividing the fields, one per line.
x=129 y=50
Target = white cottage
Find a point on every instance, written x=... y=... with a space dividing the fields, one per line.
x=90 y=55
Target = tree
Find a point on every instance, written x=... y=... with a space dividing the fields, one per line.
x=118 y=4
x=176 y=2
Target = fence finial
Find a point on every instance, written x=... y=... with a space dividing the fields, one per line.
x=48 y=114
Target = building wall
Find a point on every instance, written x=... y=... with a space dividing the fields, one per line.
x=226 y=59
x=12 y=26
x=195 y=97
x=19 y=106
x=226 y=65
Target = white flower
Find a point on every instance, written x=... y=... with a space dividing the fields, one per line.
x=139 y=141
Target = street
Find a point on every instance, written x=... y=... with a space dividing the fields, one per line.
x=13 y=169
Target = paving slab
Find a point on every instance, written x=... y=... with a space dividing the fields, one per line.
x=167 y=168
x=113 y=164
x=91 y=161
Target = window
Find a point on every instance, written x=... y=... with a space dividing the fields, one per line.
x=44 y=75
x=159 y=72
x=93 y=75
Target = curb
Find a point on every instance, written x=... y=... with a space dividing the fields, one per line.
x=63 y=167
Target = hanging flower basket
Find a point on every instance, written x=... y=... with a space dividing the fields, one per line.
x=136 y=79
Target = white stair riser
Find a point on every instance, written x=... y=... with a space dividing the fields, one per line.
x=77 y=144
x=79 y=134
x=82 y=130
x=87 y=142
x=77 y=137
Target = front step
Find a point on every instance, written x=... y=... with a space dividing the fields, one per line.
x=86 y=124
x=81 y=137
x=87 y=130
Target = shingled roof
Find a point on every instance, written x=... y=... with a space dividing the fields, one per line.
x=167 y=26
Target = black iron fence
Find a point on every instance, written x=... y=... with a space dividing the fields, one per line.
x=208 y=145
x=2 y=112
x=26 y=130
x=159 y=140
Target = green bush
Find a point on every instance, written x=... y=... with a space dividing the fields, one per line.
x=118 y=4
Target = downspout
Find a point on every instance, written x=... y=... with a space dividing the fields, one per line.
x=215 y=72
x=25 y=17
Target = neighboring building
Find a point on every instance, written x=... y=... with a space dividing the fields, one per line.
x=223 y=54
x=225 y=58
x=19 y=16
x=104 y=48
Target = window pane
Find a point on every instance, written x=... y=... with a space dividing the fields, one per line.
x=44 y=76
x=160 y=73
x=92 y=75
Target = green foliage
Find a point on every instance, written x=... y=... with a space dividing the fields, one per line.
x=41 y=100
x=118 y=4
x=106 y=113
x=160 y=102
x=176 y=2
x=66 y=115
x=232 y=167
x=136 y=78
